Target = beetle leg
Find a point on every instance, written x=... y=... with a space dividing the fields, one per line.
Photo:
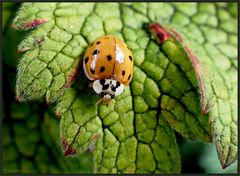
x=103 y=100
x=107 y=102
x=90 y=87
x=99 y=102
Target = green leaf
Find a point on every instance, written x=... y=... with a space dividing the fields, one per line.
x=216 y=48
x=31 y=145
x=168 y=91
x=212 y=164
x=7 y=9
x=25 y=147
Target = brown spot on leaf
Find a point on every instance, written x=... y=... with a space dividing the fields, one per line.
x=57 y=113
x=73 y=76
x=30 y=24
x=68 y=150
x=95 y=137
x=17 y=98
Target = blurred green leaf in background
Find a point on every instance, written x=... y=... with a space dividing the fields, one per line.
x=205 y=157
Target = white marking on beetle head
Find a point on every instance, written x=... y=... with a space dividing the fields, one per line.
x=119 y=54
x=107 y=96
x=108 y=88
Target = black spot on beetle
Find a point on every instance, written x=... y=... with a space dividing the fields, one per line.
x=106 y=86
x=109 y=57
x=98 y=42
x=123 y=73
x=113 y=88
x=95 y=52
x=130 y=57
x=112 y=96
x=102 y=69
x=86 y=60
x=117 y=84
x=102 y=81
x=129 y=77
x=102 y=94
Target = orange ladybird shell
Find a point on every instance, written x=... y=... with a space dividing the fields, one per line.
x=108 y=57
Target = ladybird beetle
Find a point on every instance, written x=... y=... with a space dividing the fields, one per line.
x=108 y=62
